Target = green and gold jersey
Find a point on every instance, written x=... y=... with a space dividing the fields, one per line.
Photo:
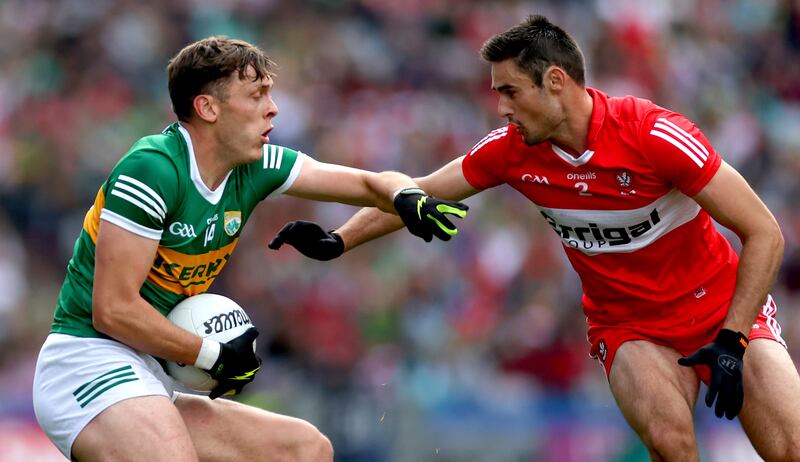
x=155 y=191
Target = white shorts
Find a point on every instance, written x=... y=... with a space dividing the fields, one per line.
x=78 y=378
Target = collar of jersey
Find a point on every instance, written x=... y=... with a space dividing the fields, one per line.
x=600 y=100
x=567 y=157
x=211 y=196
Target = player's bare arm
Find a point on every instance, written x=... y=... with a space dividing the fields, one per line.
x=123 y=260
x=425 y=216
x=729 y=199
x=732 y=203
x=336 y=183
x=369 y=223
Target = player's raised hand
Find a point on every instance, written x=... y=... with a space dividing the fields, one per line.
x=309 y=239
x=426 y=216
x=724 y=356
x=236 y=365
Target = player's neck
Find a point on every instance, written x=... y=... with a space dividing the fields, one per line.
x=211 y=166
x=573 y=134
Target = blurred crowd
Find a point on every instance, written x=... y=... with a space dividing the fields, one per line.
x=473 y=349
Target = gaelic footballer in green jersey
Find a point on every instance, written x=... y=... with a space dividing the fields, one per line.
x=155 y=191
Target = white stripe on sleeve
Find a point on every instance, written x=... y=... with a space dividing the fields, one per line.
x=683 y=138
x=141 y=205
x=146 y=189
x=280 y=158
x=130 y=225
x=690 y=137
x=494 y=135
x=141 y=196
x=679 y=145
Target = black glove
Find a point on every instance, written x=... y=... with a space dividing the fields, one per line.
x=724 y=357
x=236 y=365
x=426 y=216
x=310 y=240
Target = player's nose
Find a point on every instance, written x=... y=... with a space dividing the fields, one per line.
x=272 y=109
x=504 y=109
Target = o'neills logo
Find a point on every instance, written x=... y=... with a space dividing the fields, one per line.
x=595 y=236
x=582 y=176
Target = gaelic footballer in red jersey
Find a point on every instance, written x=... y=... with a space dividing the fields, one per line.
x=631 y=188
x=624 y=213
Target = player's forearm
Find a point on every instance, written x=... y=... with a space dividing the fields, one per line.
x=367 y=224
x=137 y=324
x=383 y=186
x=758 y=266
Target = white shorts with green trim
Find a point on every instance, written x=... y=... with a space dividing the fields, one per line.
x=78 y=378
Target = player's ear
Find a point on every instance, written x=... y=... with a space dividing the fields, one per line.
x=554 y=79
x=205 y=106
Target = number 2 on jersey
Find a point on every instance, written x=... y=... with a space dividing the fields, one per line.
x=584 y=188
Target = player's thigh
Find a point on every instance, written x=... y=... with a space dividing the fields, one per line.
x=654 y=393
x=143 y=428
x=226 y=430
x=770 y=414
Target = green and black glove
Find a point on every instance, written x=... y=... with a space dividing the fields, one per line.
x=724 y=356
x=236 y=365
x=426 y=216
x=309 y=239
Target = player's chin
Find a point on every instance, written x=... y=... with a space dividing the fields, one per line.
x=532 y=139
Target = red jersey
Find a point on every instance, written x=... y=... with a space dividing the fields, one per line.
x=644 y=250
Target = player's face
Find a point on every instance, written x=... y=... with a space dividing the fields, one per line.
x=534 y=110
x=245 y=118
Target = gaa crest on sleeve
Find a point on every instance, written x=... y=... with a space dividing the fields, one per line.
x=232 y=222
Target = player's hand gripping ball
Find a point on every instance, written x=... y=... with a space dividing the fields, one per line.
x=209 y=316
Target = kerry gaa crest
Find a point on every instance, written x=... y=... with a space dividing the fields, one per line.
x=232 y=222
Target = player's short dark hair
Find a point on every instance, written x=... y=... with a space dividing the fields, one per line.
x=203 y=67
x=535 y=45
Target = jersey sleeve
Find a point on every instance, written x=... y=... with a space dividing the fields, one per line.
x=484 y=164
x=139 y=193
x=275 y=172
x=679 y=151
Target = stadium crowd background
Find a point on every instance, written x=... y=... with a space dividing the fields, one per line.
x=472 y=350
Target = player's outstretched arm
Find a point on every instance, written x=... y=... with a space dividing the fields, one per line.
x=369 y=223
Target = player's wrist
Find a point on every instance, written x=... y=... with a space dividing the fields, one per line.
x=210 y=351
x=734 y=340
x=407 y=190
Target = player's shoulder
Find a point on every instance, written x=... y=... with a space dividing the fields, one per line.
x=169 y=144
x=631 y=109
x=502 y=137
x=159 y=157
x=636 y=116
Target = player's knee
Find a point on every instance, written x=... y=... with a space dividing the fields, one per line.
x=669 y=439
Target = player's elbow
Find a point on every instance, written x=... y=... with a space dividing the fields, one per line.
x=774 y=238
x=107 y=313
x=102 y=320
x=767 y=236
x=772 y=242
x=778 y=241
